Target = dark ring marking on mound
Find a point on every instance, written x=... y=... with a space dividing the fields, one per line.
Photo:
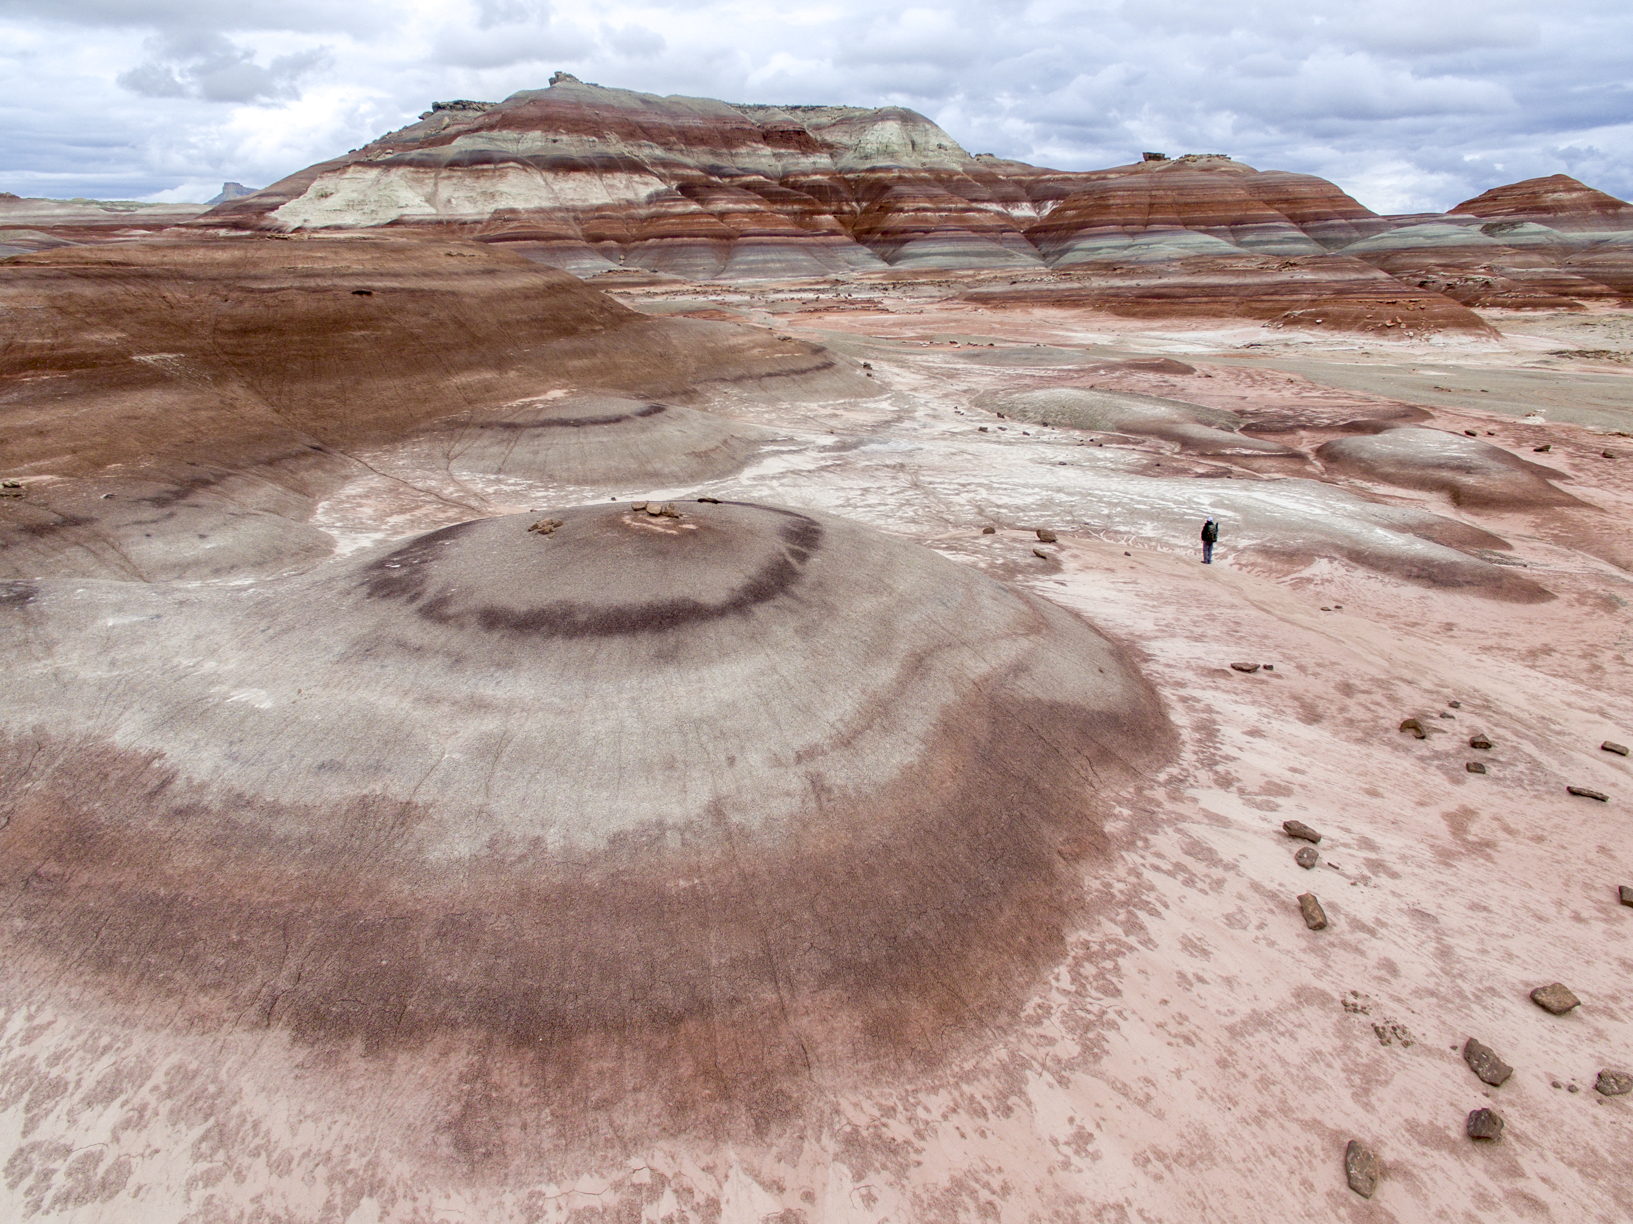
x=651 y=410
x=405 y=575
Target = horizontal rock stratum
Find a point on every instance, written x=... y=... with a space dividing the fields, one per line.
x=591 y=179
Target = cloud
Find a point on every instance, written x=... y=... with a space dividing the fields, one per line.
x=1407 y=104
x=210 y=67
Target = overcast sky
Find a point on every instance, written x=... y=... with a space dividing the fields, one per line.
x=1408 y=104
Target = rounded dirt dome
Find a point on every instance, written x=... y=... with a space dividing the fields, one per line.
x=674 y=809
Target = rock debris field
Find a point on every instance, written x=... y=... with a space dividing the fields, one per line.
x=486 y=745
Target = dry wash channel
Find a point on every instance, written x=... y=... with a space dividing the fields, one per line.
x=633 y=823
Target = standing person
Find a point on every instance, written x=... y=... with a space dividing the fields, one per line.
x=1210 y=537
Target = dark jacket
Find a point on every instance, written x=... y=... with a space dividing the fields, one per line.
x=1210 y=532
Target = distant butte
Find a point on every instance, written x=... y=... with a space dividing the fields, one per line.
x=592 y=179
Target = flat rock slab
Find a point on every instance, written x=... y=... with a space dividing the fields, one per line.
x=1314 y=916
x=1586 y=793
x=1485 y=1124
x=1483 y=1061
x=1307 y=857
x=1297 y=828
x=1618 y=749
x=1614 y=1083
x=1556 y=998
x=1249 y=668
x=1361 y=1168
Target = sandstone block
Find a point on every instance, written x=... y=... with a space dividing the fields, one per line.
x=1588 y=793
x=1485 y=1124
x=1297 y=828
x=1314 y=916
x=1618 y=749
x=1361 y=1168
x=1556 y=998
x=1483 y=1061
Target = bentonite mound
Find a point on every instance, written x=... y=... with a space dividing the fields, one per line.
x=597 y=439
x=1208 y=431
x=680 y=811
x=1469 y=471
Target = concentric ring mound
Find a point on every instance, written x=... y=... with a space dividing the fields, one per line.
x=669 y=808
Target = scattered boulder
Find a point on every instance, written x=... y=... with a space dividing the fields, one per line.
x=1608 y=454
x=1297 y=828
x=1045 y=535
x=1556 y=998
x=1544 y=448
x=1270 y=667
x=709 y=501
x=1478 y=740
x=1475 y=767
x=1586 y=793
x=1314 y=916
x=1361 y=1168
x=1618 y=749
x=1038 y=552
x=1415 y=727
x=1307 y=857
x=989 y=531
x=1483 y=1061
x=1249 y=668
x=1456 y=705
x=1473 y=433
x=1614 y=1083
x=1625 y=892
x=1485 y=1124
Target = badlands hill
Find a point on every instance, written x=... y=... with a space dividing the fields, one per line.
x=591 y=179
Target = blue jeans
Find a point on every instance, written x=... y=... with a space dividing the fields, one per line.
x=1207 y=552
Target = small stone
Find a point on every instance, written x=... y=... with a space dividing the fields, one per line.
x=1473 y=433
x=1483 y=1061
x=1443 y=714
x=1415 y=727
x=1557 y=1084
x=1614 y=1083
x=1608 y=454
x=1618 y=749
x=1625 y=892
x=1475 y=767
x=1045 y=535
x=1307 y=857
x=1485 y=1124
x=1456 y=705
x=1270 y=667
x=655 y=509
x=1478 y=740
x=1038 y=552
x=637 y=505
x=1128 y=554
x=1573 y=1088
x=1544 y=448
x=1249 y=668
x=1556 y=998
x=1586 y=793
x=989 y=531
x=1314 y=916
x=711 y=501
x=982 y=428
x=1297 y=828
x=545 y=526
x=1361 y=1168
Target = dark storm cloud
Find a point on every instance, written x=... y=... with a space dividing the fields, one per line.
x=1408 y=105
